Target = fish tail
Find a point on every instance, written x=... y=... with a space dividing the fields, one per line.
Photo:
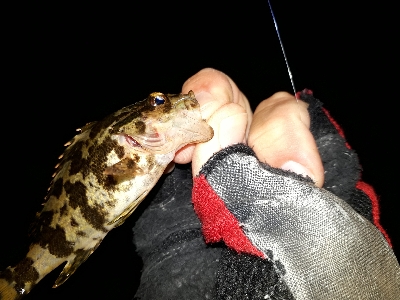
x=16 y=282
x=8 y=290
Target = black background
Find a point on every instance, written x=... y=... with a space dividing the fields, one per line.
x=66 y=65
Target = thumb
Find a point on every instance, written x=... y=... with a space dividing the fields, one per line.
x=280 y=136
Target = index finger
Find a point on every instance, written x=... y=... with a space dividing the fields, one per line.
x=224 y=107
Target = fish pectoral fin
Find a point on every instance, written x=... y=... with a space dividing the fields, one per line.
x=71 y=266
x=128 y=211
x=126 y=167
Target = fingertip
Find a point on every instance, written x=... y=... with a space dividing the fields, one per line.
x=184 y=155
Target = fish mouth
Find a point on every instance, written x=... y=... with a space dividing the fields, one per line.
x=152 y=141
x=131 y=141
x=188 y=100
x=144 y=142
x=147 y=142
x=162 y=143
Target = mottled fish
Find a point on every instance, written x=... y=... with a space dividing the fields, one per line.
x=103 y=175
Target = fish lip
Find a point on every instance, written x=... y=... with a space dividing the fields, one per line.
x=189 y=96
x=149 y=143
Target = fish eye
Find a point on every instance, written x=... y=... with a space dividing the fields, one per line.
x=157 y=99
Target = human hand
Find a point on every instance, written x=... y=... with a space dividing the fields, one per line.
x=278 y=132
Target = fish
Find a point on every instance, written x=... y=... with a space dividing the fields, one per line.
x=103 y=175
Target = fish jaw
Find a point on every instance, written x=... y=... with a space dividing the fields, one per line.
x=189 y=127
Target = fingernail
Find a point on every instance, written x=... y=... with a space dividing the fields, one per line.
x=296 y=168
x=232 y=130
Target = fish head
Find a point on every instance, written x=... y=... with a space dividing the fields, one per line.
x=164 y=123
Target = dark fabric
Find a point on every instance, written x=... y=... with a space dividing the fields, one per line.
x=177 y=264
x=244 y=277
x=342 y=169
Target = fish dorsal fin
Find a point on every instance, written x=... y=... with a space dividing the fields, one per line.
x=71 y=266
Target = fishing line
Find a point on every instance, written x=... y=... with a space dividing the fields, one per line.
x=283 y=49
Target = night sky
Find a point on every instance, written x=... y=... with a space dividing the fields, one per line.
x=68 y=65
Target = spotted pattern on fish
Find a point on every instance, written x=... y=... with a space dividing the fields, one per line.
x=103 y=175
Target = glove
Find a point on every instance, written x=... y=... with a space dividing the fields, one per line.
x=270 y=234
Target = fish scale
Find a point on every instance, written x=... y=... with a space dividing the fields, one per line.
x=103 y=175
